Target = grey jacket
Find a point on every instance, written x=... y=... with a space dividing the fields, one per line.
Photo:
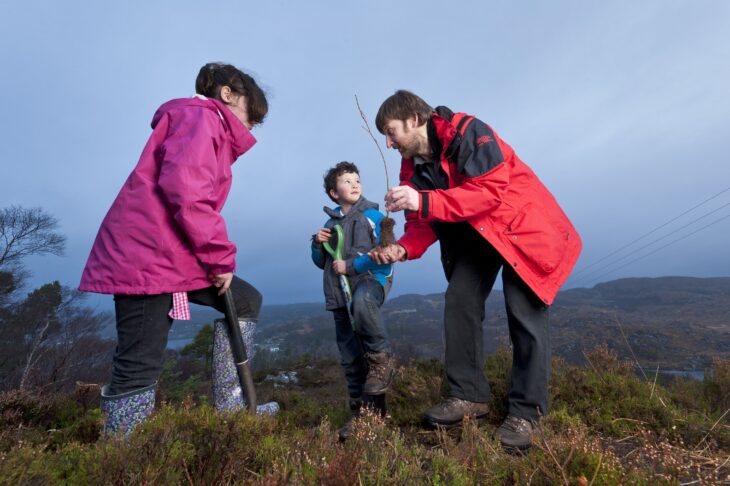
x=361 y=228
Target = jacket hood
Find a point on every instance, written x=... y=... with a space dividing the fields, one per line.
x=360 y=206
x=442 y=135
x=240 y=136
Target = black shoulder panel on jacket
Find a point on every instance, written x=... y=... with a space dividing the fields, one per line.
x=444 y=112
x=433 y=137
x=479 y=151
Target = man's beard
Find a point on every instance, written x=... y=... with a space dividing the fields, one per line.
x=411 y=147
x=407 y=153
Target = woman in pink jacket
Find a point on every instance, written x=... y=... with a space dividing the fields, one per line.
x=164 y=241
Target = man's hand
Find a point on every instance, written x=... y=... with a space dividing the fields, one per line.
x=390 y=254
x=339 y=266
x=323 y=235
x=222 y=281
x=402 y=197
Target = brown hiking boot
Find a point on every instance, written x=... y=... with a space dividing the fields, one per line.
x=380 y=373
x=355 y=406
x=515 y=434
x=452 y=411
x=374 y=403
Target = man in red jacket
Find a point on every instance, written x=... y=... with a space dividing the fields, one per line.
x=465 y=187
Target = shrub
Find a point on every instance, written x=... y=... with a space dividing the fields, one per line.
x=607 y=427
x=717 y=385
x=52 y=420
x=414 y=390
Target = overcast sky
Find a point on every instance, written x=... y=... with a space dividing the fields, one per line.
x=621 y=108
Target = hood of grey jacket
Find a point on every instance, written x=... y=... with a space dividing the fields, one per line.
x=359 y=239
x=360 y=206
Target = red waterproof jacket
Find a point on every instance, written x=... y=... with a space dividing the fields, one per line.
x=500 y=196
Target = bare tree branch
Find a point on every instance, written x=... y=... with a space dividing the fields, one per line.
x=387 y=224
x=367 y=129
x=25 y=232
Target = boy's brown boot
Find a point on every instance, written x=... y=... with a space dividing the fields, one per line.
x=376 y=403
x=380 y=373
x=344 y=432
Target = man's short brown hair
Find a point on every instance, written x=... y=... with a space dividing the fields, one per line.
x=401 y=106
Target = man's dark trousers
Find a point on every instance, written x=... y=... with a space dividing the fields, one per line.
x=471 y=266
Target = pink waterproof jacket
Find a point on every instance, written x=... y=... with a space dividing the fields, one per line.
x=164 y=232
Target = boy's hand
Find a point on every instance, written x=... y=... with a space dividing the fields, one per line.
x=339 y=266
x=402 y=197
x=323 y=235
x=389 y=254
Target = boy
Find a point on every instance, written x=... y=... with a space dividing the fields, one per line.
x=363 y=345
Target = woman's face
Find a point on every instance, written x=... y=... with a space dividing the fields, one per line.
x=237 y=104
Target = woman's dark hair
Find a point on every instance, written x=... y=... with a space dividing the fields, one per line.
x=401 y=106
x=214 y=75
x=330 y=178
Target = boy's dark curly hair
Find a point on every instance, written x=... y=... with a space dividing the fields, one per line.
x=330 y=178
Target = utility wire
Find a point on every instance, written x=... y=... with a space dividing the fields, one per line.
x=582 y=270
x=588 y=276
x=664 y=246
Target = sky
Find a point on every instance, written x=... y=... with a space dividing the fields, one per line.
x=621 y=108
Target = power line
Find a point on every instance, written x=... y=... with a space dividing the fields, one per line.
x=582 y=270
x=587 y=277
x=664 y=246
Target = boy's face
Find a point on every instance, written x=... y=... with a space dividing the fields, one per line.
x=348 y=189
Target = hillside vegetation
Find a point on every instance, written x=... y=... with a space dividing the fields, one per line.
x=607 y=426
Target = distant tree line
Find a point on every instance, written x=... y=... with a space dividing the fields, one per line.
x=49 y=339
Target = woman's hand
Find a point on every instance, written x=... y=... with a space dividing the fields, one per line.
x=222 y=281
x=323 y=235
x=340 y=267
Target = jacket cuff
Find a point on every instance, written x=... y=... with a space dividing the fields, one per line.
x=423 y=210
x=407 y=247
x=218 y=270
x=350 y=267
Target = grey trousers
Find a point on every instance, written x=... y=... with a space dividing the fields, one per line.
x=370 y=336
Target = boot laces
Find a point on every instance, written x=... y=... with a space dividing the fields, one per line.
x=378 y=368
x=515 y=424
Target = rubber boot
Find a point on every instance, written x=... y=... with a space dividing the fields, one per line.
x=125 y=411
x=227 y=392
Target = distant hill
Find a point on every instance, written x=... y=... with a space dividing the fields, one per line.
x=671 y=322
x=677 y=322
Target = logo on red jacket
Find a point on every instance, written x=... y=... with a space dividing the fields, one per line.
x=484 y=139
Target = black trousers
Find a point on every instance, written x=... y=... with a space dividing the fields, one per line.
x=471 y=266
x=143 y=325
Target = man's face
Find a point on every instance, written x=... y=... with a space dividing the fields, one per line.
x=348 y=189
x=403 y=136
